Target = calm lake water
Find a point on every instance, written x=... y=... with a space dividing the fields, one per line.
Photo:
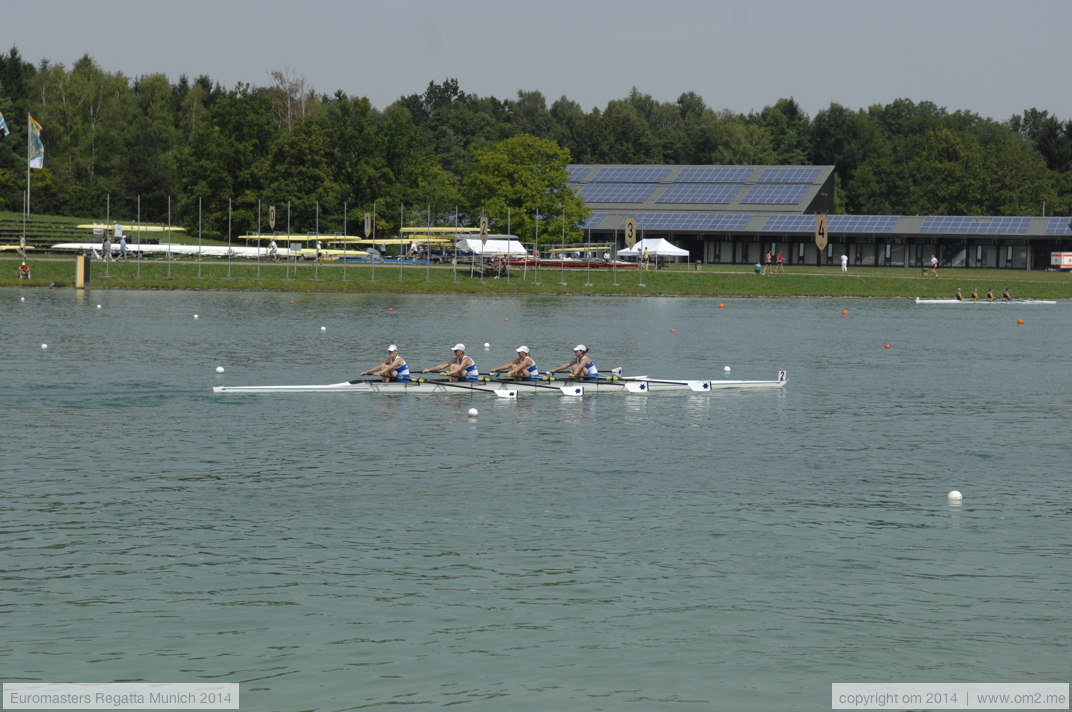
x=728 y=551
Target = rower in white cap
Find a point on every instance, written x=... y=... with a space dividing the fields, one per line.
x=393 y=368
x=522 y=368
x=580 y=366
x=459 y=368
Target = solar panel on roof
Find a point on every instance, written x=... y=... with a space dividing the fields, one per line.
x=1059 y=226
x=577 y=173
x=782 y=174
x=631 y=174
x=731 y=174
x=975 y=225
x=838 y=223
x=790 y=223
x=776 y=194
x=593 y=221
x=863 y=223
x=690 y=221
x=699 y=193
x=615 y=192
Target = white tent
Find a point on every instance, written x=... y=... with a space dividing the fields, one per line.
x=656 y=246
x=496 y=245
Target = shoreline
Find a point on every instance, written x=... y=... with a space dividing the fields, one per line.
x=676 y=280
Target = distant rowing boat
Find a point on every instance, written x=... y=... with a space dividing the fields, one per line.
x=920 y=300
x=510 y=389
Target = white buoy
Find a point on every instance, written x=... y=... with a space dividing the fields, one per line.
x=195 y=316
x=98 y=306
x=726 y=369
x=323 y=328
x=955 y=496
x=219 y=369
x=487 y=345
x=22 y=299
x=473 y=412
x=44 y=347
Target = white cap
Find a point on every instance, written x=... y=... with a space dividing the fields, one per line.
x=580 y=347
x=458 y=347
x=392 y=347
x=522 y=349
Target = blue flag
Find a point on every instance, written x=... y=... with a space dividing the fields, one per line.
x=36 y=148
x=3 y=126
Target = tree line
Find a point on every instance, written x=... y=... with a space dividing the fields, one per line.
x=446 y=156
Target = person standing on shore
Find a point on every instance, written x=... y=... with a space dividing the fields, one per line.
x=844 y=263
x=934 y=265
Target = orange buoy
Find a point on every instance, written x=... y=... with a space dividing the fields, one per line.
x=673 y=331
x=1019 y=321
x=506 y=318
x=291 y=301
x=390 y=308
x=844 y=312
x=887 y=346
x=721 y=306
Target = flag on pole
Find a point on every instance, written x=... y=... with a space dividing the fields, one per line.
x=3 y=126
x=36 y=148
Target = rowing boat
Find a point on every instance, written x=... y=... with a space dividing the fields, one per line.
x=920 y=300
x=639 y=385
x=500 y=390
x=700 y=386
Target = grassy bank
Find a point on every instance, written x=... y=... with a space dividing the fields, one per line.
x=728 y=281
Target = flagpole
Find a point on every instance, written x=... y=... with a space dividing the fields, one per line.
x=26 y=211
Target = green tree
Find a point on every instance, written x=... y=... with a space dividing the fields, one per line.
x=226 y=156
x=848 y=140
x=627 y=137
x=789 y=130
x=514 y=179
x=149 y=140
x=530 y=115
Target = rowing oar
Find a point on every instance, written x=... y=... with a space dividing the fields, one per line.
x=551 y=377
x=565 y=390
x=631 y=386
x=464 y=384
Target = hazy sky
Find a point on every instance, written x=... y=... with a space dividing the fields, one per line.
x=993 y=58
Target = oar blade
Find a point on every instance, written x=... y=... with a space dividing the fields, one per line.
x=505 y=393
x=636 y=386
x=572 y=390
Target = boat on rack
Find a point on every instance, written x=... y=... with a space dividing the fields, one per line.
x=921 y=300
x=510 y=389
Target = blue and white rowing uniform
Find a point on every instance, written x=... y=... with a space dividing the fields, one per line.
x=532 y=373
x=470 y=372
x=590 y=371
x=402 y=372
